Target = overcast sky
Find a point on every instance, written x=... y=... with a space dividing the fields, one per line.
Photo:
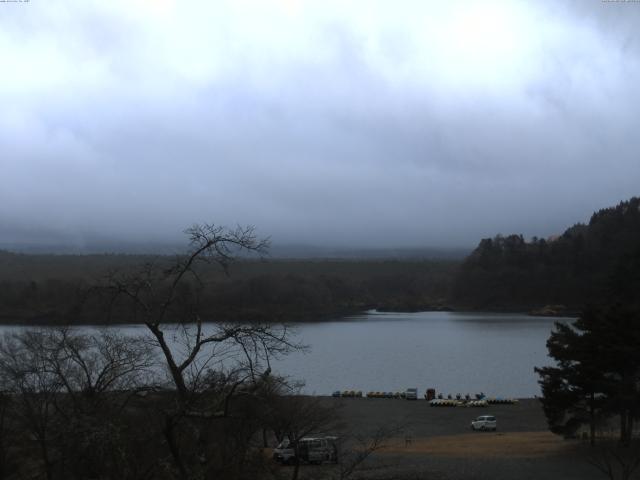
x=358 y=123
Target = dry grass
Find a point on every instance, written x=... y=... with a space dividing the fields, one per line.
x=511 y=444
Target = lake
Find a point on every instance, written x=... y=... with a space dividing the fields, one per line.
x=452 y=352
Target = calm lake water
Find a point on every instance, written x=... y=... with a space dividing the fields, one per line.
x=451 y=352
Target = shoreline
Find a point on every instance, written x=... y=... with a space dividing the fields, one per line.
x=38 y=321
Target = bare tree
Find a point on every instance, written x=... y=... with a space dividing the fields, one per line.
x=356 y=450
x=209 y=364
x=91 y=365
x=163 y=297
x=66 y=392
x=617 y=462
x=6 y=463
x=26 y=377
x=74 y=395
x=295 y=416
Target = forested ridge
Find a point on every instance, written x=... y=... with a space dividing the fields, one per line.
x=585 y=264
x=56 y=288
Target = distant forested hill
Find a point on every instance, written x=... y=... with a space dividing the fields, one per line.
x=51 y=288
x=584 y=264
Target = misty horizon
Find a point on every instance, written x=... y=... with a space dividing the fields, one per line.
x=359 y=125
x=44 y=243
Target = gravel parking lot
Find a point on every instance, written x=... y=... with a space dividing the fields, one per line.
x=422 y=420
x=437 y=442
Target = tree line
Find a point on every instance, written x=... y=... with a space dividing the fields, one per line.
x=44 y=289
x=509 y=272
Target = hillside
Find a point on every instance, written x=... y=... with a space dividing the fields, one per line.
x=585 y=264
x=49 y=288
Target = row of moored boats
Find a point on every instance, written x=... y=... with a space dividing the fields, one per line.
x=480 y=400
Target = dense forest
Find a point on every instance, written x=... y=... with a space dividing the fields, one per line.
x=57 y=288
x=583 y=265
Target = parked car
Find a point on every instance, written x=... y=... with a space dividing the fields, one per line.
x=484 y=422
x=310 y=449
x=411 y=394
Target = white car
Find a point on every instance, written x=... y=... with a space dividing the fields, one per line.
x=484 y=422
x=411 y=394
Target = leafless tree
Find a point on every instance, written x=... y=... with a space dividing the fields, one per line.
x=294 y=416
x=91 y=365
x=6 y=463
x=166 y=300
x=25 y=376
x=355 y=450
x=65 y=390
x=616 y=462
x=208 y=363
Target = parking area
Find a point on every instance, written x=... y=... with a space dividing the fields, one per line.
x=438 y=442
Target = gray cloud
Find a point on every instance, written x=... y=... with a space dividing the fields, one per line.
x=427 y=123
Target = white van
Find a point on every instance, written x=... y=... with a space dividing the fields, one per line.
x=311 y=450
x=484 y=422
x=411 y=394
